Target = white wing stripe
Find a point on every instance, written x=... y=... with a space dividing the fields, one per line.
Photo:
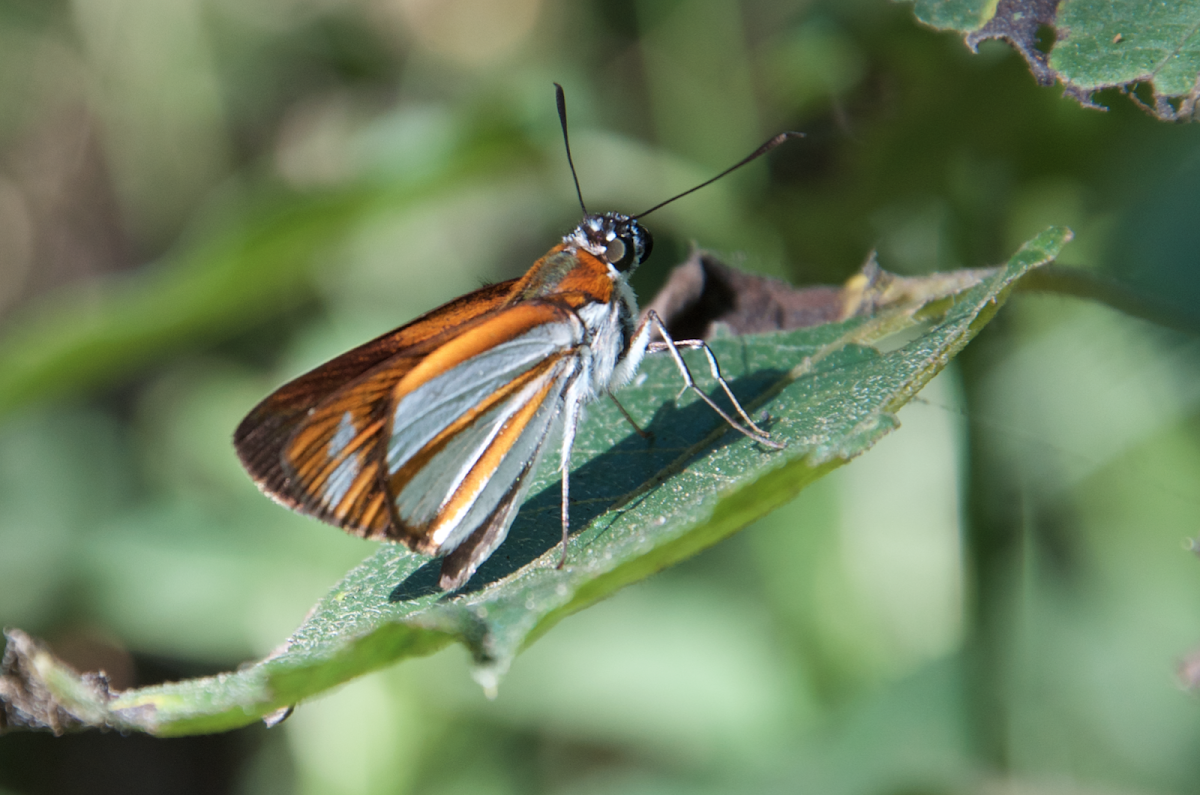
x=422 y=498
x=526 y=451
x=453 y=529
x=428 y=410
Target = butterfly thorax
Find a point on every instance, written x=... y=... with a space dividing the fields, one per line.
x=615 y=244
x=566 y=275
x=598 y=253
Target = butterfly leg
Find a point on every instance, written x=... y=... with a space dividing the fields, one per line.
x=570 y=421
x=637 y=428
x=714 y=367
x=749 y=429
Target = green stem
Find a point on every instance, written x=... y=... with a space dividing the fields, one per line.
x=992 y=523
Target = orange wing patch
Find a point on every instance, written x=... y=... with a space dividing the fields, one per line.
x=560 y=273
x=332 y=458
x=507 y=325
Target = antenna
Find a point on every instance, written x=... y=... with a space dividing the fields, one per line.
x=562 y=117
x=757 y=153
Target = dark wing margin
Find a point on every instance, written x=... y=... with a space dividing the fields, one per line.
x=332 y=460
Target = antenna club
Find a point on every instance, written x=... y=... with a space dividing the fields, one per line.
x=561 y=97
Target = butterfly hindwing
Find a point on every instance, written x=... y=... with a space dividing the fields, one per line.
x=463 y=560
x=470 y=416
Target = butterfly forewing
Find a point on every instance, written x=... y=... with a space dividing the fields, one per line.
x=432 y=444
x=466 y=376
x=333 y=457
x=263 y=436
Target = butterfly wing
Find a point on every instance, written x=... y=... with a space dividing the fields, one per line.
x=261 y=436
x=471 y=416
x=433 y=446
x=458 y=492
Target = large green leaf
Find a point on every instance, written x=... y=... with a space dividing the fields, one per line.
x=1096 y=44
x=831 y=392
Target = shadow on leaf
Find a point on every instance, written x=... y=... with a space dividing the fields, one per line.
x=627 y=466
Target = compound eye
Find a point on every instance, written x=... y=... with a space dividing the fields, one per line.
x=614 y=252
x=619 y=252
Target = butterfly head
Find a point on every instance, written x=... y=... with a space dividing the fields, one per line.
x=616 y=239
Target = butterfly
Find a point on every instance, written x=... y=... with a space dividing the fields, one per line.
x=429 y=435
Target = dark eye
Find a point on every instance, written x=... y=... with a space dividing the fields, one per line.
x=647 y=245
x=619 y=252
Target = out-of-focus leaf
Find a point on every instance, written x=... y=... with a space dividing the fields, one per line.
x=963 y=15
x=209 y=289
x=641 y=507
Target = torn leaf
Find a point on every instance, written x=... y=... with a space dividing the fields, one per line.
x=704 y=298
x=1088 y=46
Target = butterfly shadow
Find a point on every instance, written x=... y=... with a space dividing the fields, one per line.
x=625 y=467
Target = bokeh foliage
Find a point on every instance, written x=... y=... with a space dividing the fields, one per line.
x=200 y=198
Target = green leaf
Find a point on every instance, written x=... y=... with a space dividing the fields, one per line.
x=831 y=392
x=1157 y=43
x=962 y=15
x=1097 y=45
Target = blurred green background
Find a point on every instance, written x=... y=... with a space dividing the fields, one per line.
x=202 y=198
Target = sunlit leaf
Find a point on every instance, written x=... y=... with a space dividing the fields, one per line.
x=831 y=392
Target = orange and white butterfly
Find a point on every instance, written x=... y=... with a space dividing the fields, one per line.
x=429 y=434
